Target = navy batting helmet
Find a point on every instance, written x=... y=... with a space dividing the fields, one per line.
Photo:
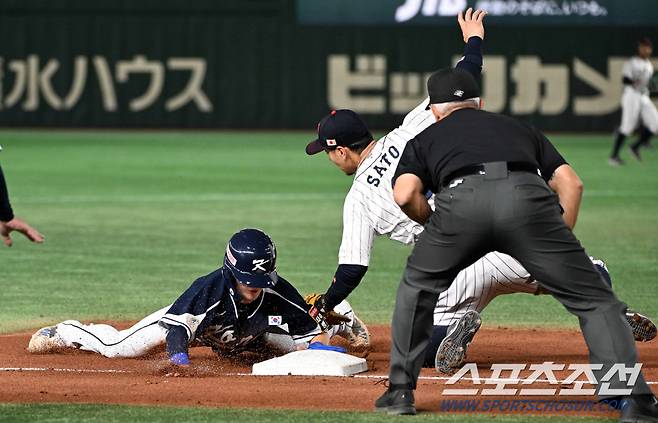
x=251 y=258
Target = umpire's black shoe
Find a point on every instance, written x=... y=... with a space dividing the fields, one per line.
x=639 y=409
x=399 y=401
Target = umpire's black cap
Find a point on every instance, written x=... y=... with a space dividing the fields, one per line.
x=339 y=128
x=451 y=84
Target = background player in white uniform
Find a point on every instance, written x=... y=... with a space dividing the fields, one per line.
x=370 y=210
x=242 y=306
x=636 y=105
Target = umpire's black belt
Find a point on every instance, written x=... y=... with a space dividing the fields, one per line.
x=495 y=170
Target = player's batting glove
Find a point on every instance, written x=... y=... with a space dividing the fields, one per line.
x=180 y=359
x=321 y=346
x=318 y=309
x=323 y=317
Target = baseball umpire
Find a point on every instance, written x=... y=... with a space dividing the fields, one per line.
x=492 y=175
x=9 y=222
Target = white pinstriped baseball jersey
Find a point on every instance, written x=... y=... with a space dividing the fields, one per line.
x=369 y=208
x=635 y=102
x=640 y=71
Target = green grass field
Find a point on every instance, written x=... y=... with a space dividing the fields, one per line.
x=131 y=218
x=58 y=413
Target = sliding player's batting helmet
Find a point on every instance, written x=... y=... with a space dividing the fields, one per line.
x=251 y=258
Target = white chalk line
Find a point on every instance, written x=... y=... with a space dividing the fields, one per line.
x=53 y=369
x=481 y=380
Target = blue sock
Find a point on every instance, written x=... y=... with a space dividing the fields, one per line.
x=604 y=273
x=438 y=333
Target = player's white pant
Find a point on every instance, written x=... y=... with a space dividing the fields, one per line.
x=478 y=284
x=344 y=329
x=110 y=342
x=147 y=334
x=636 y=106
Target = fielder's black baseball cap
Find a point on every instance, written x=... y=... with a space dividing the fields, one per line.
x=645 y=41
x=451 y=84
x=339 y=128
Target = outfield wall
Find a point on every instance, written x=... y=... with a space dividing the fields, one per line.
x=252 y=64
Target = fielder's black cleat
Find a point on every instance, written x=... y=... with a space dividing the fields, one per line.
x=639 y=409
x=615 y=161
x=635 y=152
x=397 y=402
x=451 y=354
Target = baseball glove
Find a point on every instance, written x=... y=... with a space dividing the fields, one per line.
x=323 y=317
x=653 y=85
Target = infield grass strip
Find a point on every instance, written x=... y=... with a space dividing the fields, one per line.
x=132 y=218
x=116 y=413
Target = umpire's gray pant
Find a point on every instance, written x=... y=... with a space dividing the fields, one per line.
x=518 y=215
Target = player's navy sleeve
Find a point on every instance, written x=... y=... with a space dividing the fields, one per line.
x=6 y=213
x=472 y=60
x=346 y=279
x=191 y=308
x=177 y=340
x=301 y=326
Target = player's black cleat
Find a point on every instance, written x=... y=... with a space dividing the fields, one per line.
x=615 y=161
x=639 y=409
x=644 y=330
x=396 y=402
x=635 y=152
x=452 y=351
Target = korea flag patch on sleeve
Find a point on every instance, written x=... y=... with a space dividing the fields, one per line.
x=274 y=320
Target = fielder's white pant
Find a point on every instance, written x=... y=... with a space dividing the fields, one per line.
x=636 y=106
x=478 y=284
x=147 y=334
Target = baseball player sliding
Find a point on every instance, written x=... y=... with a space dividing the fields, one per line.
x=636 y=106
x=370 y=210
x=242 y=306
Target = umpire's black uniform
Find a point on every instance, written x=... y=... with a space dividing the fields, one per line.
x=490 y=197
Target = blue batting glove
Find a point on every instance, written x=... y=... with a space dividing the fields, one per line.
x=180 y=359
x=320 y=346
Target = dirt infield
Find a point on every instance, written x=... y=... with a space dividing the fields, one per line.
x=80 y=377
